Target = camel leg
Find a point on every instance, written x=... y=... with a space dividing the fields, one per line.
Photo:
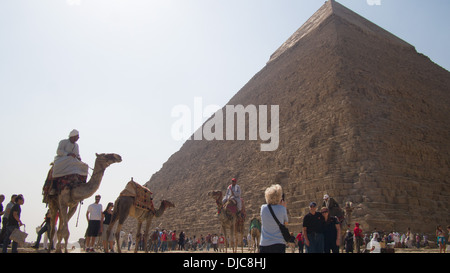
x=120 y=213
x=52 y=229
x=254 y=241
x=233 y=237
x=224 y=229
x=114 y=218
x=138 y=236
x=53 y=207
x=241 y=232
x=71 y=212
x=108 y=234
x=63 y=229
x=147 y=227
x=258 y=237
x=117 y=235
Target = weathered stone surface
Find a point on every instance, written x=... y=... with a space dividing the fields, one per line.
x=363 y=117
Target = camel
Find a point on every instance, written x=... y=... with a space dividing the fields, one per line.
x=125 y=206
x=229 y=220
x=66 y=202
x=255 y=232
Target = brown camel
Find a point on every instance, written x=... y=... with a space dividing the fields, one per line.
x=125 y=206
x=229 y=220
x=255 y=232
x=66 y=202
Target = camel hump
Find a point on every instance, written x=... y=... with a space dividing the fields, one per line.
x=133 y=189
x=142 y=195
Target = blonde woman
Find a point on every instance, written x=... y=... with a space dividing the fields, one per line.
x=272 y=240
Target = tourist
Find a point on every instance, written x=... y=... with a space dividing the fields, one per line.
x=366 y=239
x=331 y=232
x=13 y=223
x=272 y=241
x=313 y=230
x=208 y=241
x=374 y=245
x=440 y=239
x=94 y=217
x=6 y=215
x=291 y=242
x=164 y=241
x=130 y=240
x=107 y=214
x=357 y=231
x=221 y=243
x=2 y=198
x=155 y=238
x=181 y=240
x=215 y=241
x=300 y=242
x=348 y=241
x=425 y=240
x=417 y=240
x=448 y=233
x=45 y=227
x=173 y=237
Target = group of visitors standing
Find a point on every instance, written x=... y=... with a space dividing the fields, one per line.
x=11 y=220
x=320 y=230
x=320 y=234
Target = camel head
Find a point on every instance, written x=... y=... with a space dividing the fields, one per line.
x=167 y=204
x=164 y=205
x=108 y=159
x=216 y=195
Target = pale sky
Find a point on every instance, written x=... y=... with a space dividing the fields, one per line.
x=114 y=70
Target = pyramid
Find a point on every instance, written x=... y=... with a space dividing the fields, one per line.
x=363 y=117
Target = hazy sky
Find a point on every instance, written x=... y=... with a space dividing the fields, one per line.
x=114 y=70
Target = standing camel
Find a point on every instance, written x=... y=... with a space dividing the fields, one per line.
x=66 y=202
x=255 y=232
x=229 y=220
x=126 y=206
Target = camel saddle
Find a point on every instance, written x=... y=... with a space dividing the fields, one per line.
x=142 y=195
x=231 y=208
x=54 y=186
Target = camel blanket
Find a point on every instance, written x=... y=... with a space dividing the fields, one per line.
x=142 y=195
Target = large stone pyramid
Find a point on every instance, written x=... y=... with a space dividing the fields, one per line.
x=363 y=117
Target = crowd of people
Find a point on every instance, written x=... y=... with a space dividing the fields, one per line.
x=320 y=234
x=321 y=231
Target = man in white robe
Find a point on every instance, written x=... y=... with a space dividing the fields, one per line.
x=67 y=159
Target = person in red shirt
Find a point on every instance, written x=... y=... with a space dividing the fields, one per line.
x=221 y=243
x=164 y=240
x=300 y=242
x=357 y=231
x=174 y=239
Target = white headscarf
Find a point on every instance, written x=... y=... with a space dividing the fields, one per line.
x=74 y=133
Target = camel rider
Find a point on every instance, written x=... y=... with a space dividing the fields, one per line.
x=332 y=206
x=234 y=193
x=67 y=160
